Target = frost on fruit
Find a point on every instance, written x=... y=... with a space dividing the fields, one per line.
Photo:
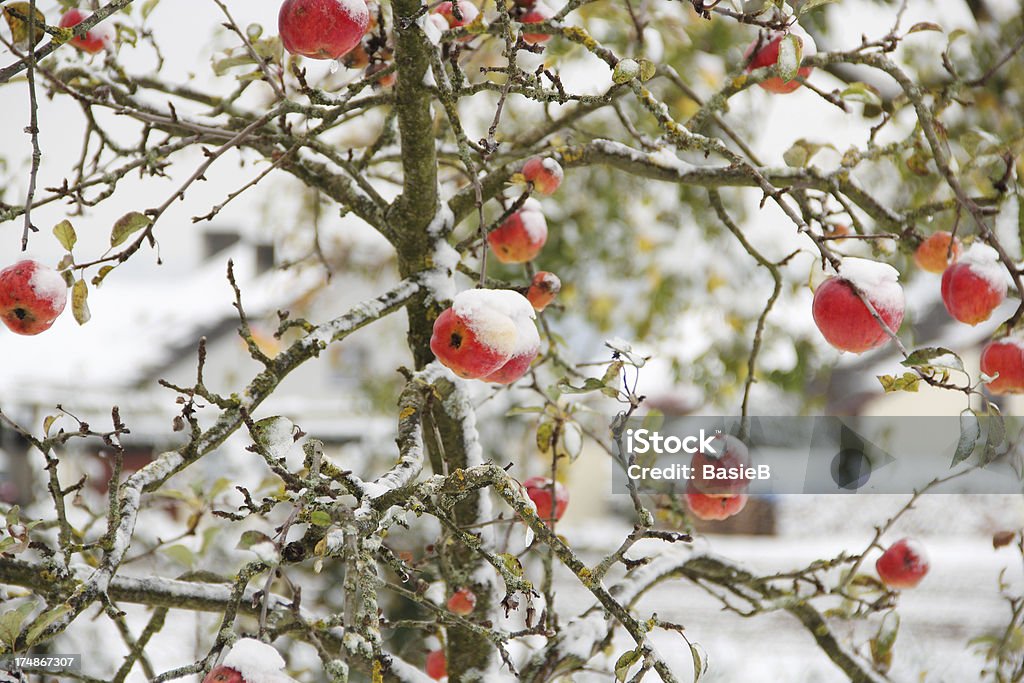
x=256 y=661
x=500 y=318
x=879 y=281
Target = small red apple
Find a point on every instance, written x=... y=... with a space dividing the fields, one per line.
x=322 y=29
x=544 y=287
x=95 y=39
x=903 y=565
x=462 y=602
x=767 y=46
x=437 y=664
x=844 y=320
x=545 y=173
x=520 y=238
x=713 y=508
x=222 y=674
x=1005 y=357
x=931 y=254
x=514 y=369
x=457 y=347
x=31 y=297
x=539 y=489
x=711 y=469
x=538 y=13
x=468 y=10
x=975 y=285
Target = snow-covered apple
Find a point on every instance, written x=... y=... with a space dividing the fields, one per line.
x=903 y=564
x=95 y=40
x=437 y=664
x=545 y=173
x=544 y=287
x=466 y=8
x=713 y=507
x=844 y=320
x=487 y=334
x=31 y=297
x=1004 y=357
x=714 y=467
x=764 y=52
x=975 y=285
x=538 y=13
x=250 y=661
x=322 y=29
x=462 y=602
x=550 y=497
x=521 y=236
x=935 y=254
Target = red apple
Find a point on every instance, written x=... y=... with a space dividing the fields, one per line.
x=514 y=369
x=468 y=10
x=844 y=320
x=713 y=508
x=95 y=39
x=545 y=173
x=543 y=289
x=1005 y=357
x=222 y=674
x=520 y=238
x=767 y=47
x=31 y=297
x=462 y=602
x=457 y=347
x=975 y=285
x=712 y=469
x=537 y=14
x=540 y=489
x=903 y=565
x=437 y=664
x=931 y=254
x=322 y=29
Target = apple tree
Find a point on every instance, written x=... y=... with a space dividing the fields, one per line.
x=544 y=178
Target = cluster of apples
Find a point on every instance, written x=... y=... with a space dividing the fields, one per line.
x=31 y=297
x=973 y=285
x=716 y=497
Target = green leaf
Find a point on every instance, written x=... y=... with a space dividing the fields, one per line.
x=625 y=71
x=789 y=57
x=13 y=516
x=44 y=621
x=934 y=357
x=924 y=26
x=545 y=433
x=512 y=563
x=801 y=152
x=589 y=384
x=862 y=92
x=65 y=234
x=180 y=554
x=995 y=435
x=700 y=660
x=910 y=381
x=625 y=662
x=251 y=538
x=647 y=69
x=970 y=432
x=320 y=518
x=881 y=644
x=126 y=225
x=148 y=7
x=80 y=302
x=11 y=621
x=6 y=543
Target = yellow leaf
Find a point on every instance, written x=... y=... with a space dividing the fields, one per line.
x=13 y=13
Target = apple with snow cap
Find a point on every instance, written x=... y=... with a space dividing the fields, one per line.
x=322 y=29
x=96 y=39
x=544 y=287
x=975 y=285
x=31 y=297
x=936 y=253
x=467 y=10
x=1004 y=357
x=550 y=497
x=844 y=320
x=250 y=661
x=903 y=564
x=764 y=52
x=521 y=236
x=715 y=508
x=487 y=334
x=545 y=173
